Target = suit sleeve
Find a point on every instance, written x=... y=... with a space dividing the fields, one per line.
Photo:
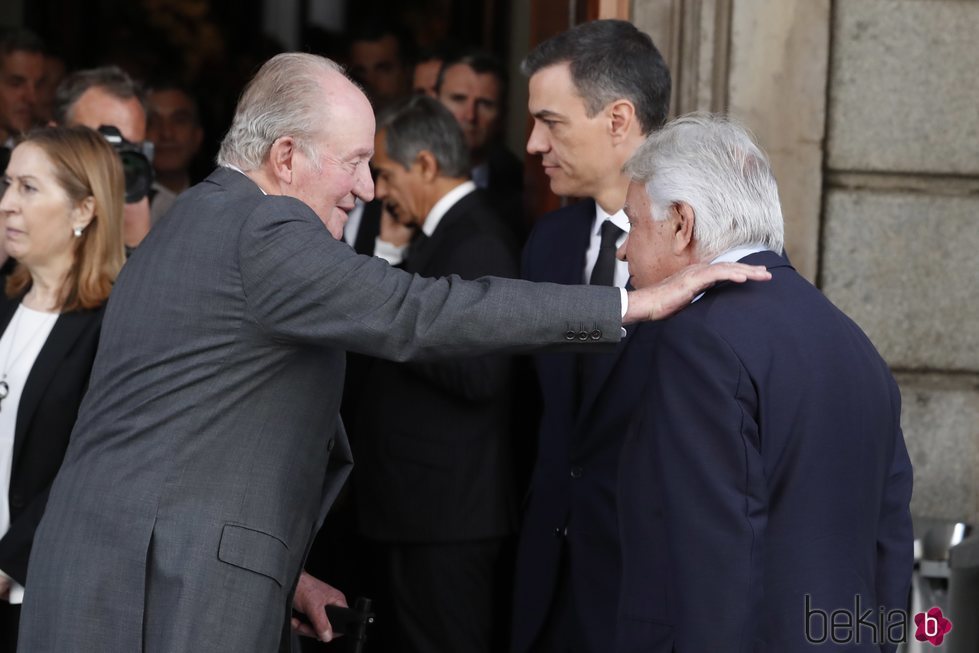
x=473 y=378
x=303 y=285
x=700 y=416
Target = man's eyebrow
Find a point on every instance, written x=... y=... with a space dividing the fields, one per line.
x=547 y=114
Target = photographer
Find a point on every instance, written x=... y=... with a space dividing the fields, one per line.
x=108 y=96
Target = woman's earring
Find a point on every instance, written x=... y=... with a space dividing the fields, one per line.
x=77 y=231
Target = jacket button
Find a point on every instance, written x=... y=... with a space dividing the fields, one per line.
x=330 y=444
x=582 y=335
x=596 y=335
x=576 y=472
x=570 y=335
x=17 y=500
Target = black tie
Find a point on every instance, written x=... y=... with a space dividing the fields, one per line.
x=603 y=274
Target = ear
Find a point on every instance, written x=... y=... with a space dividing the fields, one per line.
x=281 y=158
x=83 y=213
x=683 y=220
x=622 y=116
x=428 y=165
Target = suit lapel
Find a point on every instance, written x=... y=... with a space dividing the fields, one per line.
x=566 y=265
x=569 y=261
x=62 y=338
x=7 y=310
x=421 y=251
x=596 y=369
x=370 y=227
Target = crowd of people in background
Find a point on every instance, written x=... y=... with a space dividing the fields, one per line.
x=449 y=102
x=431 y=525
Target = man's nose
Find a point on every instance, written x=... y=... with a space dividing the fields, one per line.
x=364 y=184
x=537 y=143
x=30 y=93
x=620 y=252
x=469 y=112
x=380 y=189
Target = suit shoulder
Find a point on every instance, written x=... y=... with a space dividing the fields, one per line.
x=567 y=219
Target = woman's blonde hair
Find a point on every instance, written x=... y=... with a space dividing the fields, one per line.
x=85 y=166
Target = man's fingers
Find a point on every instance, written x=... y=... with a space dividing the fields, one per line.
x=321 y=624
x=336 y=597
x=303 y=628
x=677 y=291
x=739 y=272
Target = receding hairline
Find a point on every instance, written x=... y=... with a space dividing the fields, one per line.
x=339 y=93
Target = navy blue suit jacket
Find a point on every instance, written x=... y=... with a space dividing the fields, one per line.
x=573 y=486
x=768 y=466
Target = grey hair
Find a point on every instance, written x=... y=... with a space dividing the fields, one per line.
x=712 y=164
x=423 y=123
x=285 y=98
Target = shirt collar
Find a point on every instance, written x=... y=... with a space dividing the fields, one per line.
x=442 y=207
x=232 y=166
x=737 y=253
x=734 y=255
x=618 y=218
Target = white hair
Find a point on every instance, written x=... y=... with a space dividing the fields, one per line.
x=285 y=98
x=713 y=165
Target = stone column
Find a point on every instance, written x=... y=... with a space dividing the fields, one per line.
x=765 y=63
x=900 y=245
x=869 y=110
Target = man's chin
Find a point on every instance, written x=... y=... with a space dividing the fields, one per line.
x=338 y=219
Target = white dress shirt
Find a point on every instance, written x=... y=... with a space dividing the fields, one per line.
x=394 y=254
x=20 y=344
x=733 y=256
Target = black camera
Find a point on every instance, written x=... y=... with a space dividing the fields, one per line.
x=136 y=160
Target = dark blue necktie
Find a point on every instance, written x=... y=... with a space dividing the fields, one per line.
x=603 y=274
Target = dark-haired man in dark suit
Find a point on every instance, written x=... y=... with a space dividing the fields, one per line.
x=473 y=86
x=435 y=486
x=595 y=92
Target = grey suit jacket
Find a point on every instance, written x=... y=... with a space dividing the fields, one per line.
x=209 y=446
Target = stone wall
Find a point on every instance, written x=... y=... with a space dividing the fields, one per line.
x=869 y=110
x=900 y=245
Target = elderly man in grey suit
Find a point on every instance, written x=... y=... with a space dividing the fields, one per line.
x=209 y=447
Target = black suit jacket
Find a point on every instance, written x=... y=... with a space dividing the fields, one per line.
x=432 y=439
x=769 y=467
x=45 y=417
x=370 y=227
x=571 y=506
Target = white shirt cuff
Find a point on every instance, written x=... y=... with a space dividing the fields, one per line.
x=390 y=253
x=625 y=305
x=16 y=596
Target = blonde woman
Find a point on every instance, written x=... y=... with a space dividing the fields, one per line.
x=61 y=214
